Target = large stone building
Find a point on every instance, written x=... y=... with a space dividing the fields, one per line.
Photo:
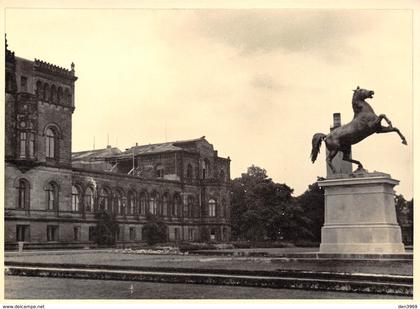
x=52 y=194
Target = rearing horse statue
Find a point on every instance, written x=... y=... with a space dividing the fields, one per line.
x=365 y=122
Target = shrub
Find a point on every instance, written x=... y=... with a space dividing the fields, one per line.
x=106 y=228
x=154 y=231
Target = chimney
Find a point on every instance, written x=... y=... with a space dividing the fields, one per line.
x=336 y=120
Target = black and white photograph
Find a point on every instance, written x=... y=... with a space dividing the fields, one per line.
x=220 y=152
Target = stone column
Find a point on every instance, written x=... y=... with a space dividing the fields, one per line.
x=360 y=215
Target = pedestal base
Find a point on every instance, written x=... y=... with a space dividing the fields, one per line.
x=360 y=215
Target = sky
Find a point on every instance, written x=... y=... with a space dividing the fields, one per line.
x=258 y=83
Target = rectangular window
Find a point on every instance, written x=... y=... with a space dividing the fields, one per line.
x=22 y=233
x=23 y=84
x=22 y=143
x=31 y=145
x=212 y=234
x=191 y=234
x=77 y=232
x=120 y=232
x=52 y=232
x=177 y=234
x=132 y=233
x=92 y=233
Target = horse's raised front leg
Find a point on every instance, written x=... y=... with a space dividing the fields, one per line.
x=382 y=129
x=383 y=116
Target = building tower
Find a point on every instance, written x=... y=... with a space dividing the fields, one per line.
x=39 y=107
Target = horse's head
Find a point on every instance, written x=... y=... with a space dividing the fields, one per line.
x=361 y=94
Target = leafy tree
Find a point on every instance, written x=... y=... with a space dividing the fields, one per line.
x=404 y=211
x=312 y=203
x=106 y=228
x=263 y=209
x=155 y=230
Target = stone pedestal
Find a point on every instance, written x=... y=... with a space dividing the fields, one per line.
x=360 y=215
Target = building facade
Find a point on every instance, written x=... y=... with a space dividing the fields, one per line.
x=52 y=194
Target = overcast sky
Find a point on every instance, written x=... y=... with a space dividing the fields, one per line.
x=257 y=83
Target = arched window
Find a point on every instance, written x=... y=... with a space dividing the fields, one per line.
x=60 y=95
x=104 y=199
x=212 y=208
x=39 y=90
x=51 y=137
x=153 y=203
x=176 y=207
x=158 y=204
x=165 y=204
x=46 y=92
x=89 y=200
x=67 y=96
x=224 y=209
x=206 y=168
x=189 y=172
x=222 y=175
x=23 y=194
x=131 y=203
x=9 y=82
x=52 y=196
x=75 y=199
x=143 y=203
x=119 y=205
x=190 y=203
x=53 y=94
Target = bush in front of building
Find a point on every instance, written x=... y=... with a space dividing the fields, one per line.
x=262 y=244
x=154 y=231
x=106 y=229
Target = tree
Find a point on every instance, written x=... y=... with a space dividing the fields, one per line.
x=312 y=203
x=106 y=228
x=263 y=209
x=155 y=230
x=404 y=212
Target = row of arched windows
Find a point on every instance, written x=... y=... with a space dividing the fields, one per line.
x=133 y=203
x=120 y=203
x=53 y=93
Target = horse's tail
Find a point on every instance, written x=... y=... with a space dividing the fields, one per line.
x=316 y=144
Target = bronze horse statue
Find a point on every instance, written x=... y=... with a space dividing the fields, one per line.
x=365 y=122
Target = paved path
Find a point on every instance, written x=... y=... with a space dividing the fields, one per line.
x=111 y=257
x=53 y=288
